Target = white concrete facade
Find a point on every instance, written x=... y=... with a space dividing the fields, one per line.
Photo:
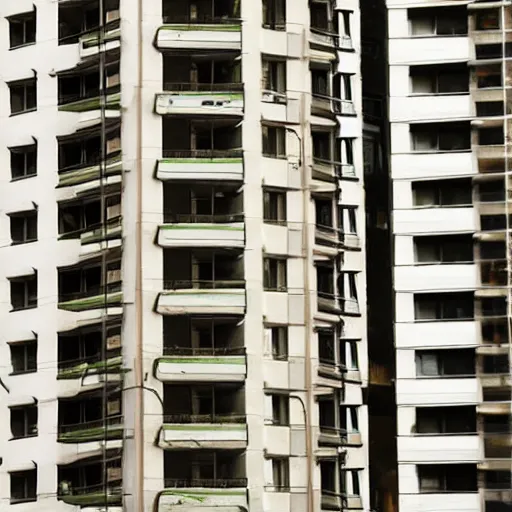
x=199 y=243
x=443 y=268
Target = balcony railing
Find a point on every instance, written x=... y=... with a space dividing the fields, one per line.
x=191 y=218
x=350 y=240
x=203 y=285
x=205 y=418
x=90 y=495
x=200 y=19
x=203 y=87
x=93 y=291
x=108 y=428
x=208 y=483
x=203 y=154
x=200 y=351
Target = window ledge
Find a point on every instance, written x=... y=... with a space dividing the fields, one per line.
x=20 y=178
x=28 y=111
x=14 y=501
x=23 y=308
x=28 y=436
x=22 y=372
x=24 y=242
x=24 y=45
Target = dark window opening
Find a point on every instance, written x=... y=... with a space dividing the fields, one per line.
x=23 y=161
x=24 y=292
x=445 y=420
x=444 y=306
x=24 y=486
x=24 y=421
x=22 y=29
x=24 y=357
x=23 y=96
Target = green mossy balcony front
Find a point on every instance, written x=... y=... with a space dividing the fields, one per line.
x=202 y=297
x=83 y=301
x=203 y=231
x=202 y=365
x=203 y=34
x=85 y=104
x=91 y=43
x=93 y=496
x=204 y=431
x=76 y=371
x=201 y=165
x=110 y=429
x=112 y=230
x=225 y=99
x=78 y=175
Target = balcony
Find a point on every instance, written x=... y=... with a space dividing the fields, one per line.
x=80 y=483
x=201 y=99
x=202 y=281
x=81 y=289
x=193 y=477
x=210 y=493
x=99 y=430
x=202 y=216
x=203 y=31
x=438 y=448
x=84 y=173
x=204 y=416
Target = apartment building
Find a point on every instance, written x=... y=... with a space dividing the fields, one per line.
x=182 y=256
x=450 y=120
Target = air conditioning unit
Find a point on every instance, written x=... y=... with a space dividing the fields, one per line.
x=114 y=407
x=114 y=342
x=113 y=276
x=112 y=15
x=113 y=80
x=114 y=211
x=114 y=474
x=113 y=145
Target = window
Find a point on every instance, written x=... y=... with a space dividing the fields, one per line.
x=440 y=137
x=447 y=477
x=319 y=16
x=326 y=348
x=24 y=486
x=280 y=410
x=320 y=82
x=348 y=220
x=274 y=141
x=274 y=14
x=489 y=77
x=22 y=29
x=443 y=249
x=491 y=191
x=274 y=76
x=345 y=25
x=439 y=80
x=322 y=145
x=274 y=274
x=489 y=19
x=489 y=108
x=436 y=363
x=24 y=292
x=444 y=306
x=354 y=357
x=24 y=227
x=445 y=420
x=23 y=161
x=346 y=87
x=24 y=421
x=323 y=210
x=274 y=207
x=24 y=357
x=23 y=96
x=281 y=474
x=442 y=193
x=279 y=343
x=442 y=22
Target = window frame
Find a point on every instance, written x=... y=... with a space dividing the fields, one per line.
x=25 y=151
x=30 y=429
x=273 y=137
x=280 y=409
x=279 y=340
x=29 y=486
x=278 y=196
x=26 y=218
x=23 y=85
x=281 y=474
x=23 y=19
x=274 y=14
x=26 y=346
x=279 y=282
x=25 y=281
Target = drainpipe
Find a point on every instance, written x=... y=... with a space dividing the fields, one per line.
x=139 y=371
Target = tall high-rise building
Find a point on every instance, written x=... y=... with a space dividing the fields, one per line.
x=182 y=255
x=450 y=105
